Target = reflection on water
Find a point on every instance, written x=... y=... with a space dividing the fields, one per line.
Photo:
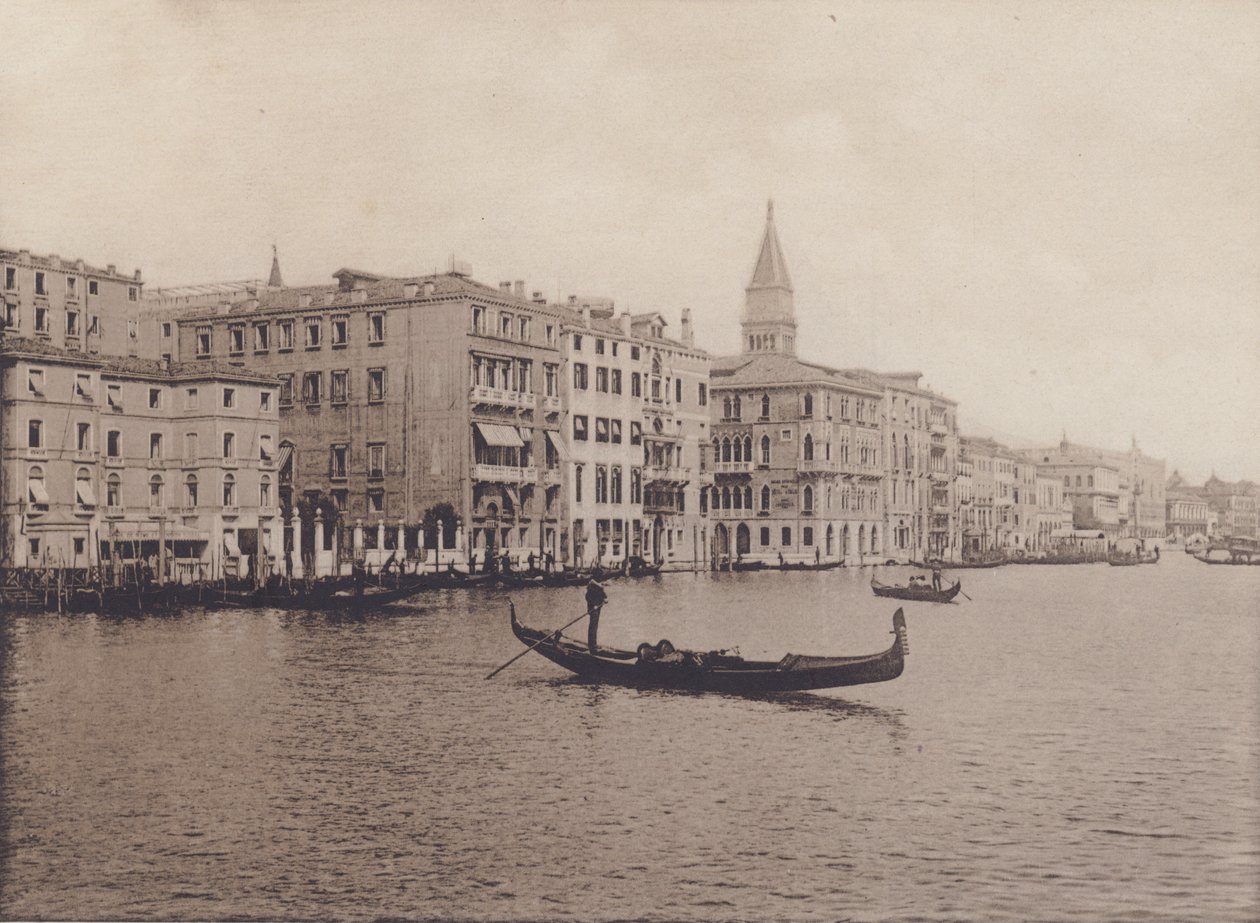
x=1080 y=740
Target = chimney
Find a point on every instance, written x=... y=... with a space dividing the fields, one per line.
x=586 y=315
x=573 y=299
x=112 y=269
x=686 y=334
x=137 y=275
x=410 y=290
x=429 y=287
x=625 y=322
x=505 y=288
x=520 y=288
x=304 y=300
x=79 y=265
x=539 y=298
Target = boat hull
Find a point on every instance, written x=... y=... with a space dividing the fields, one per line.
x=926 y=595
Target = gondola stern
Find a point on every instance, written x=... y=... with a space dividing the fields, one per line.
x=899 y=629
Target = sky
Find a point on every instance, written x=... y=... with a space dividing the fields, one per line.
x=1050 y=210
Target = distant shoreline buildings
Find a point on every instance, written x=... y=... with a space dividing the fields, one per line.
x=252 y=427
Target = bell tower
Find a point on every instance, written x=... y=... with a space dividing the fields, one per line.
x=768 y=321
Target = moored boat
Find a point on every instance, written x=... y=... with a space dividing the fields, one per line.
x=661 y=666
x=918 y=594
x=960 y=565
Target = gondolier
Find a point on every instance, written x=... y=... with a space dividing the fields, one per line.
x=595 y=599
x=936 y=575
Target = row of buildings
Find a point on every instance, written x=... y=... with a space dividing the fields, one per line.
x=251 y=424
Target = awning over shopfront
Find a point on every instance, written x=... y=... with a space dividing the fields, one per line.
x=498 y=435
x=151 y=531
x=557 y=443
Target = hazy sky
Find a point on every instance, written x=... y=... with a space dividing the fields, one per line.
x=1051 y=210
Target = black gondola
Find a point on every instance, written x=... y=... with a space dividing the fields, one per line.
x=918 y=594
x=803 y=565
x=716 y=671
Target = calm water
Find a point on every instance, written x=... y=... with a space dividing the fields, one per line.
x=1076 y=743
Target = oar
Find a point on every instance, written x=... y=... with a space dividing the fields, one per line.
x=554 y=634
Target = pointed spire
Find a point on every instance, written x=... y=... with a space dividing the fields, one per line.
x=275 y=281
x=771 y=269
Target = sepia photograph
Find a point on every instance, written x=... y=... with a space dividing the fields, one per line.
x=723 y=460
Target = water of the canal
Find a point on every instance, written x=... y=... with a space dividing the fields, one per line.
x=1074 y=743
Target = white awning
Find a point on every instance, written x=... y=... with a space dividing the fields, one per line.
x=499 y=435
x=38 y=493
x=230 y=546
x=83 y=490
x=557 y=443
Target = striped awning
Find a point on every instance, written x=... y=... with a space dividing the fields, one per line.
x=286 y=453
x=498 y=435
x=557 y=443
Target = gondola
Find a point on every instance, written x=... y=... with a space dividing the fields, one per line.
x=663 y=667
x=340 y=601
x=960 y=565
x=1129 y=560
x=748 y=565
x=639 y=567
x=804 y=565
x=919 y=594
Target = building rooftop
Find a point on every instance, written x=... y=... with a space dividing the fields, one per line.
x=128 y=365
x=55 y=262
x=779 y=369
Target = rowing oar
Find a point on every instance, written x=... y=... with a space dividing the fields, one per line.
x=553 y=635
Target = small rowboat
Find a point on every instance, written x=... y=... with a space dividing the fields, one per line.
x=717 y=671
x=923 y=594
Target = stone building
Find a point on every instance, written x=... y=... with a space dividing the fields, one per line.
x=71 y=305
x=1140 y=479
x=116 y=458
x=1186 y=513
x=402 y=397
x=797 y=447
x=1234 y=503
x=635 y=468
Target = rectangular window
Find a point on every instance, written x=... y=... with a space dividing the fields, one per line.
x=264 y=401
x=113 y=446
x=636 y=432
x=579 y=427
x=376 y=385
x=133 y=293
x=616 y=431
x=376 y=328
x=94 y=287
x=376 y=500
x=677 y=390
x=83 y=437
x=376 y=459
x=190 y=451
x=702 y=395
x=155 y=398
x=72 y=287
x=284 y=335
x=205 y=340
x=313 y=387
x=314 y=330
x=523 y=328
x=35 y=434
x=616 y=380
x=599 y=346
x=10 y=278
x=39 y=284
x=12 y=315
x=72 y=323
x=577 y=342
x=634 y=353
x=807 y=535
x=41 y=319
x=787 y=536
x=550 y=333
x=155 y=445
x=479 y=319
x=262 y=337
x=601 y=429
x=505 y=325
x=579 y=376
x=286 y=389
x=340 y=330
x=636 y=384
x=550 y=380
x=229 y=445
x=601 y=375
x=236 y=339
x=265 y=450
x=765 y=536
x=113 y=397
x=337 y=461
x=229 y=398
x=192 y=399
x=577 y=494
x=339 y=385
x=35 y=382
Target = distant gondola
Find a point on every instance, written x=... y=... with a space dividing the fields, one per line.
x=919 y=594
x=960 y=565
x=804 y=565
x=663 y=667
x=748 y=565
x=339 y=601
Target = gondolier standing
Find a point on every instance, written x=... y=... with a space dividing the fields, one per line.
x=595 y=599
x=936 y=575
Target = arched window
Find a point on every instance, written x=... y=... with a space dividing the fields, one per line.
x=748 y=498
x=748 y=456
x=906 y=446
x=807 y=499
x=229 y=490
x=765 y=450
x=83 y=493
x=726 y=408
x=113 y=490
x=765 y=497
x=190 y=490
x=36 y=492
x=738 y=412
x=765 y=406
x=577 y=483
x=157 y=494
x=601 y=484
x=726 y=498
x=656 y=364
x=737 y=450
x=616 y=484
x=717 y=450
x=726 y=449
x=807 y=407
x=264 y=491
x=738 y=499
x=809 y=447
x=717 y=499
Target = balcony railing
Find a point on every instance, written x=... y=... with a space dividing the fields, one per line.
x=551 y=476
x=733 y=467
x=818 y=465
x=496 y=397
x=115 y=512
x=504 y=474
x=661 y=473
x=551 y=404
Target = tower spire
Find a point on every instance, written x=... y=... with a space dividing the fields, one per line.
x=768 y=320
x=276 y=281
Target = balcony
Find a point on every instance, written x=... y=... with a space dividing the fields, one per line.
x=733 y=467
x=188 y=511
x=33 y=452
x=941 y=477
x=551 y=404
x=504 y=474
x=481 y=395
x=938 y=427
x=940 y=509
x=85 y=455
x=662 y=474
x=551 y=477
x=115 y=512
x=818 y=466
